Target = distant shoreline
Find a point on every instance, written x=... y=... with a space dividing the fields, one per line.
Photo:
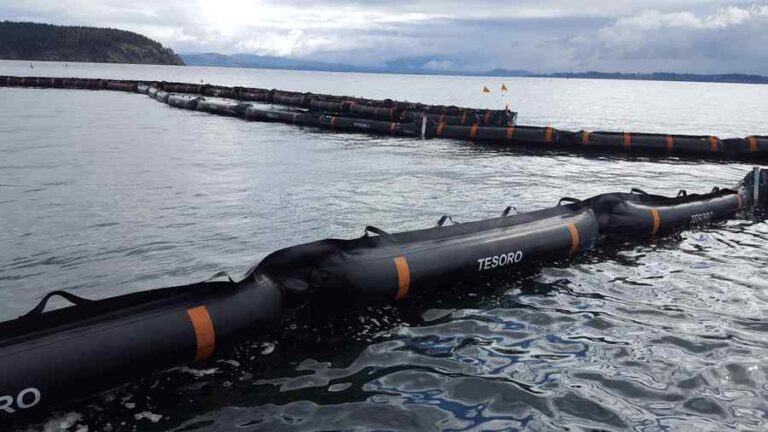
x=664 y=76
x=281 y=63
x=499 y=73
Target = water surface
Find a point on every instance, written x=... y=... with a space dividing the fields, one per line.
x=105 y=193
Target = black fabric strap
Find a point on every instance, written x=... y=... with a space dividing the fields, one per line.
x=380 y=232
x=442 y=220
x=507 y=210
x=220 y=274
x=40 y=308
x=569 y=200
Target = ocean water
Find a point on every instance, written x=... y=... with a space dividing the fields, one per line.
x=105 y=193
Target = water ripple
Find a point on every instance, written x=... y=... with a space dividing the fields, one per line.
x=666 y=334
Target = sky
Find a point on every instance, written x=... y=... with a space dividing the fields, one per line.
x=702 y=36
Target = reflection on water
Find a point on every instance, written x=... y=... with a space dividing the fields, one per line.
x=107 y=193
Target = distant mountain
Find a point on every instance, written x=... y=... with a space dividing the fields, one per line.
x=33 y=41
x=426 y=65
x=666 y=76
x=440 y=65
x=509 y=73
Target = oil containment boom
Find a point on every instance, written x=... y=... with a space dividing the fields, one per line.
x=402 y=118
x=55 y=357
x=50 y=358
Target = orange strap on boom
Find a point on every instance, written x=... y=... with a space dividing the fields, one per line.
x=550 y=135
x=403 y=277
x=656 y=222
x=205 y=335
x=627 y=140
x=670 y=143
x=752 y=144
x=574 y=238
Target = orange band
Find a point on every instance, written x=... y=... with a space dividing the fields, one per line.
x=585 y=137
x=713 y=143
x=510 y=132
x=473 y=131
x=205 y=335
x=656 y=221
x=574 y=238
x=670 y=142
x=550 y=134
x=627 y=140
x=442 y=118
x=752 y=143
x=392 y=127
x=440 y=128
x=403 y=277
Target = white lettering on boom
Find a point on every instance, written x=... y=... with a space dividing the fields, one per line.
x=502 y=260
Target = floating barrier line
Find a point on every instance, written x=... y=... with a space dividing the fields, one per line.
x=409 y=119
x=50 y=358
x=356 y=107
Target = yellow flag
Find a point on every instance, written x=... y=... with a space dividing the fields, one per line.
x=504 y=87
x=486 y=90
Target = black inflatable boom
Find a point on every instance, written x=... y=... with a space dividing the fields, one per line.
x=338 y=275
x=51 y=358
x=388 y=117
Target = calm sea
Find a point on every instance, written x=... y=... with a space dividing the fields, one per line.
x=105 y=193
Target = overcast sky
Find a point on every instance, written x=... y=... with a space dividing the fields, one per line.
x=703 y=36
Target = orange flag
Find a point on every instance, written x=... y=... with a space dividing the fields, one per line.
x=486 y=90
x=504 y=87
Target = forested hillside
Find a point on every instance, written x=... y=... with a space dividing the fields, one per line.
x=33 y=41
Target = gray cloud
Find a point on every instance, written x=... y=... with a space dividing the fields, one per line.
x=546 y=35
x=728 y=39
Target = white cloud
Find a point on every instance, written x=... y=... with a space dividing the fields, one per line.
x=291 y=43
x=728 y=39
x=655 y=20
